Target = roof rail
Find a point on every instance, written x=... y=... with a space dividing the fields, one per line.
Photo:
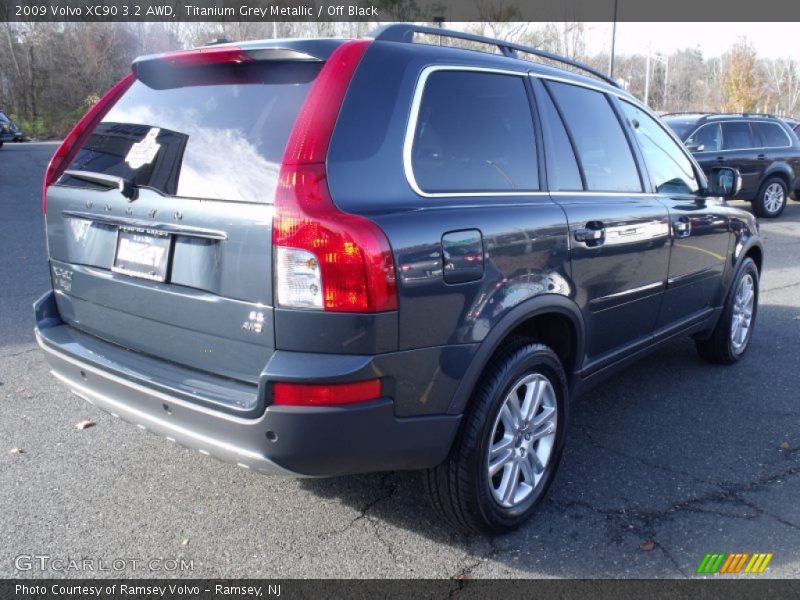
x=685 y=112
x=704 y=114
x=404 y=32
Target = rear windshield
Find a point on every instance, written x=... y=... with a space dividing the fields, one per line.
x=219 y=133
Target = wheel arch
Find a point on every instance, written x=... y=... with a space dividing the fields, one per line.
x=550 y=319
x=756 y=252
x=782 y=170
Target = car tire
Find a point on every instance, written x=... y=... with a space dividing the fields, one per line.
x=731 y=336
x=771 y=198
x=462 y=489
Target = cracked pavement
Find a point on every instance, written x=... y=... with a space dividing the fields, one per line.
x=690 y=457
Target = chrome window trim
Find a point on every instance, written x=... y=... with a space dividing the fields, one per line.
x=411 y=129
x=596 y=193
x=622 y=94
x=413 y=119
x=750 y=121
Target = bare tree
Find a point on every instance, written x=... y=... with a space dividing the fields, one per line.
x=782 y=85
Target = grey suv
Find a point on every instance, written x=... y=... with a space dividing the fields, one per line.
x=322 y=257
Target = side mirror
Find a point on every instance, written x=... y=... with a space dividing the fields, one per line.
x=724 y=182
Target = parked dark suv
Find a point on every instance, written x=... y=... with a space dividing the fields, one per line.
x=322 y=257
x=762 y=148
x=9 y=132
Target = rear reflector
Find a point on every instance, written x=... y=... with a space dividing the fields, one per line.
x=80 y=133
x=328 y=394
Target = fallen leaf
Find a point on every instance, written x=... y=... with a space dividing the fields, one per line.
x=785 y=446
x=16 y=451
x=185 y=543
x=85 y=424
x=647 y=545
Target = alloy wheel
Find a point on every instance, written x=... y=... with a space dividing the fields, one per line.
x=522 y=440
x=774 y=197
x=742 y=317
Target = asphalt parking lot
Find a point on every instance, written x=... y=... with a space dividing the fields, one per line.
x=666 y=462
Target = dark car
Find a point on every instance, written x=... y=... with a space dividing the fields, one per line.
x=9 y=132
x=323 y=257
x=763 y=148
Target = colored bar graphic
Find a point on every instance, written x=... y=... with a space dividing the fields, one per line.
x=733 y=563
x=740 y=562
x=729 y=561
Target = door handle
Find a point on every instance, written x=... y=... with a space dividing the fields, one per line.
x=593 y=235
x=720 y=159
x=682 y=227
x=762 y=157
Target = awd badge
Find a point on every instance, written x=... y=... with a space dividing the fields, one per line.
x=255 y=322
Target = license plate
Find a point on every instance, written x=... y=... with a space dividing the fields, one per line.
x=142 y=254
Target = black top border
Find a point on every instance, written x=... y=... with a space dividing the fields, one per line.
x=374 y=11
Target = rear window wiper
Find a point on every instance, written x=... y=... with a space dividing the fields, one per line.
x=123 y=184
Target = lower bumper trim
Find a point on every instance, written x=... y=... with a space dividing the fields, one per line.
x=287 y=440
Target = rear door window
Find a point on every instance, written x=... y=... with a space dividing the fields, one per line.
x=772 y=135
x=474 y=133
x=603 y=149
x=736 y=135
x=219 y=133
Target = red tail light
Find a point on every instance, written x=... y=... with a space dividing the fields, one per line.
x=297 y=394
x=206 y=56
x=80 y=133
x=353 y=255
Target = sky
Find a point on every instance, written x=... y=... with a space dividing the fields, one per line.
x=771 y=40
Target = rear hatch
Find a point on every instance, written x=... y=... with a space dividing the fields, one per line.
x=159 y=230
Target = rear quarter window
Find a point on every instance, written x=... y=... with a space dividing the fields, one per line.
x=772 y=135
x=474 y=133
x=219 y=133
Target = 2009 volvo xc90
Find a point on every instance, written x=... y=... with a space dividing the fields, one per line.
x=323 y=257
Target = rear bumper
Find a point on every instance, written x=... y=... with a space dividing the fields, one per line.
x=298 y=441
